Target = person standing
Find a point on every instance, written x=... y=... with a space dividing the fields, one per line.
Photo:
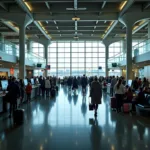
x=14 y=93
x=119 y=92
x=96 y=94
x=28 y=91
x=113 y=82
x=22 y=90
x=47 y=86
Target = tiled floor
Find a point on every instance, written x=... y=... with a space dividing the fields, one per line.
x=65 y=123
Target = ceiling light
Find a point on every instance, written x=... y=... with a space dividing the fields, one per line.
x=75 y=18
x=76 y=37
x=97 y=22
x=56 y=27
x=27 y=4
x=122 y=5
x=91 y=34
x=60 y=34
x=55 y=22
x=95 y=27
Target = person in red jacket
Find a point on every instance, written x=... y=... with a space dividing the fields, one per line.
x=28 y=91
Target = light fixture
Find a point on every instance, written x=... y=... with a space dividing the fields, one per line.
x=28 y=5
x=76 y=37
x=55 y=22
x=56 y=27
x=122 y=5
x=94 y=27
x=75 y=18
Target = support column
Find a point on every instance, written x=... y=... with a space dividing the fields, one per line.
x=129 y=74
x=106 y=59
x=46 y=57
x=2 y=47
x=29 y=46
x=22 y=52
x=149 y=30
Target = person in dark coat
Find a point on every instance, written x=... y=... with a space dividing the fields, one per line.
x=22 y=90
x=84 y=83
x=96 y=94
x=14 y=93
x=75 y=84
x=69 y=83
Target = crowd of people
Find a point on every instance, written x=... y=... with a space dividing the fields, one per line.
x=122 y=92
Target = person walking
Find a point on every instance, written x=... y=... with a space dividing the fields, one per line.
x=75 y=84
x=28 y=91
x=84 y=83
x=119 y=92
x=96 y=94
x=14 y=93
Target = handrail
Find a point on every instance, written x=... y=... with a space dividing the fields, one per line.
x=141 y=42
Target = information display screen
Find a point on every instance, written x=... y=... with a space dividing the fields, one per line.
x=25 y=82
x=32 y=81
x=4 y=84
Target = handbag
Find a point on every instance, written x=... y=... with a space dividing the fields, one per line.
x=91 y=106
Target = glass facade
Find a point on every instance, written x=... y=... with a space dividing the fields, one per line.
x=76 y=58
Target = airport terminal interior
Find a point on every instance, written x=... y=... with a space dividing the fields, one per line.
x=53 y=52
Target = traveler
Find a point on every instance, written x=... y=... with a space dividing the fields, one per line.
x=75 y=84
x=96 y=94
x=14 y=93
x=135 y=84
x=22 y=90
x=28 y=91
x=69 y=83
x=84 y=83
x=113 y=82
x=47 y=86
x=129 y=96
x=119 y=92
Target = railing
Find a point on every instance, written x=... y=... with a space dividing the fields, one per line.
x=116 y=59
x=13 y=49
x=141 y=48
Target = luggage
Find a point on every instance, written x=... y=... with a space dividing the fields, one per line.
x=126 y=107
x=91 y=106
x=113 y=102
x=18 y=116
x=53 y=93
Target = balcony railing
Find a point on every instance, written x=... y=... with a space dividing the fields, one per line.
x=141 y=48
x=13 y=49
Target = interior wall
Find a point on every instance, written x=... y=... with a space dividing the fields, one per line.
x=147 y=72
x=7 y=70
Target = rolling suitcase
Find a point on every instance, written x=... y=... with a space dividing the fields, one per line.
x=113 y=102
x=126 y=107
x=18 y=116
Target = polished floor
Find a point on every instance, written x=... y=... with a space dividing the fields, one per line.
x=65 y=123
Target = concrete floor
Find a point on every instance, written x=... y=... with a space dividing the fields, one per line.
x=65 y=123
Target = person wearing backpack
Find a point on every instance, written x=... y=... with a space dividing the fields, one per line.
x=28 y=91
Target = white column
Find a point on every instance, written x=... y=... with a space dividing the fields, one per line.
x=46 y=57
x=29 y=46
x=106 y=59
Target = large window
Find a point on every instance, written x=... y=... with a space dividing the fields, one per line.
x=115 y=48
x=76 y=58
x=38 y=49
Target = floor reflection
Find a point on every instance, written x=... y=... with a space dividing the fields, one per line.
x=51 y=123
